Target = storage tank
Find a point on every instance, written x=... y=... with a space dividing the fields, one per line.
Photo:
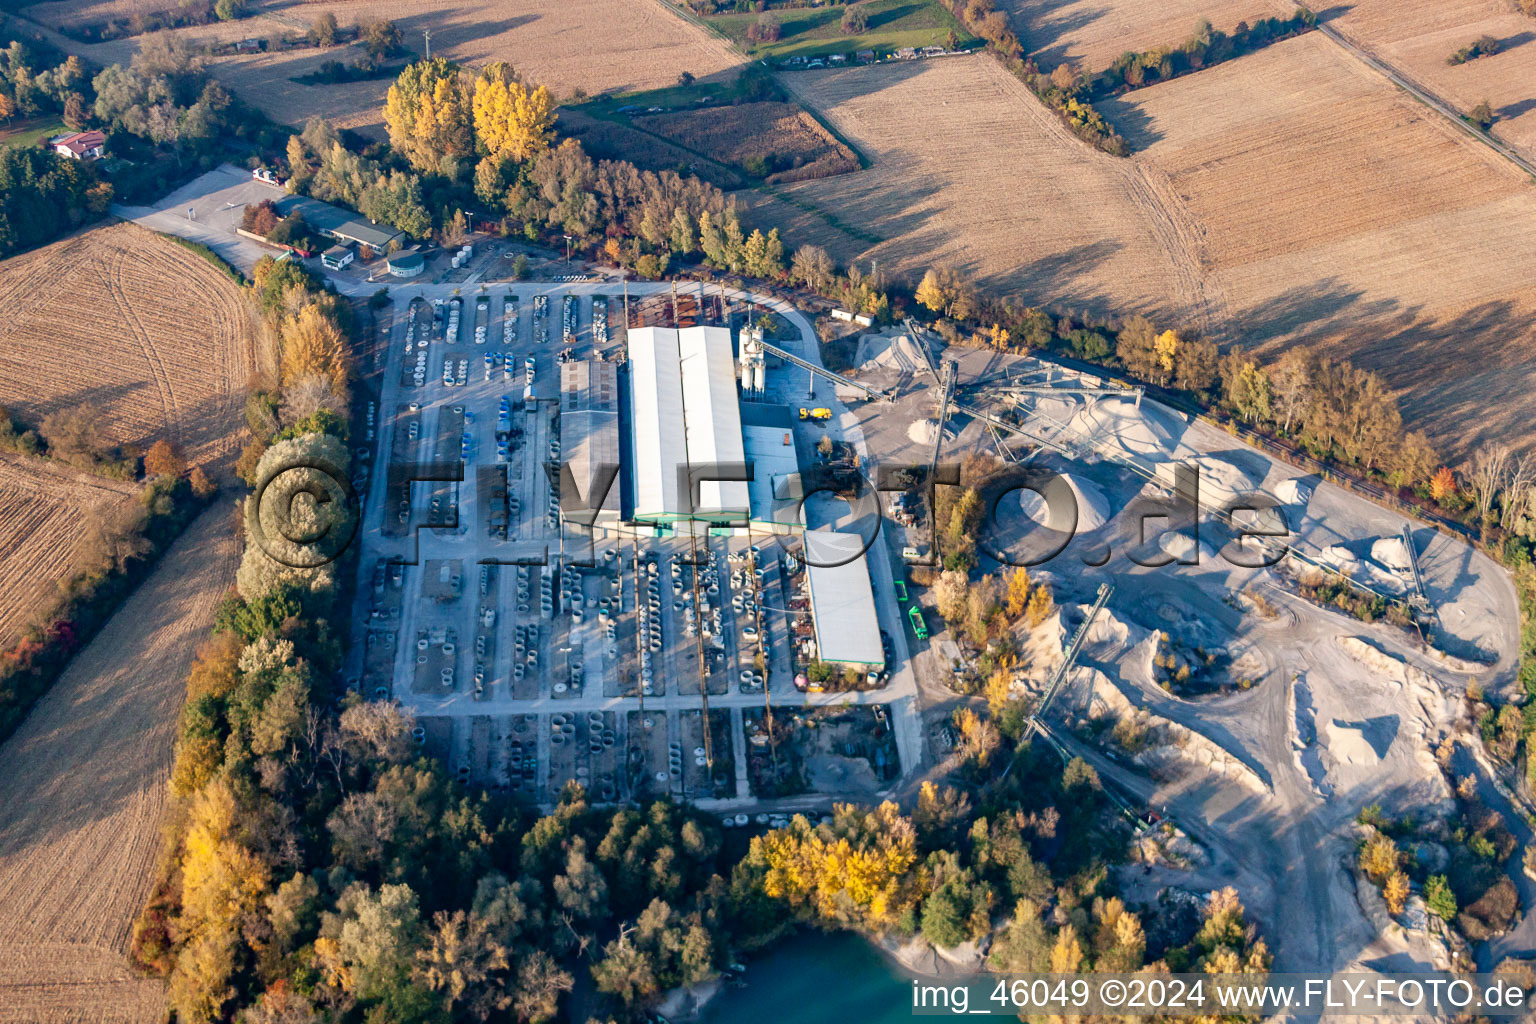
x=760 y=375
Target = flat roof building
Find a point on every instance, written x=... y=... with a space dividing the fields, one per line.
x=589 y=432
x=768 y=438
x=342 y=225
x=842 y=600
x=685 y=416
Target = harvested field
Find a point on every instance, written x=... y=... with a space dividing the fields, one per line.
x=86 y=777
x=67 y=14
x=42 y=509
x=969 y=169
x=596 y=46
x=789 y=142
x=613 y=140
x=1092 y=33
x=1416 y=36
x=1335 y=210
x=146 y=331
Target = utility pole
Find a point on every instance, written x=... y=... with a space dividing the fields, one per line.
x=427 y=35
x=698 y=614
x=634 y=563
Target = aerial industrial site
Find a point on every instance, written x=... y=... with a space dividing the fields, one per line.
x=667 y=510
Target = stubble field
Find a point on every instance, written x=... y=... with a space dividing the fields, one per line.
x=1416 y=36
x=1335 y=210
x=968 y=169
x=85 y=778
x=42 y=511
x=788 y=139
x=66 y=14
x=595 y=46
x=149 y=333
x=1092 y=33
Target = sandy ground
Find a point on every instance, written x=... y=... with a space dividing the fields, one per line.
x=85 y=778
x=1341 y=714
x=969 y=169
x=1333 y=210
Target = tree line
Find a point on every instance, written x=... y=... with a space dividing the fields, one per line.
x=116 y=549
x=488 y=143
x=1206 y=47
x=74 y=436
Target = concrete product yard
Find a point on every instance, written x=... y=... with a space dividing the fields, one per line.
x=495 y=636
x=1291 y=717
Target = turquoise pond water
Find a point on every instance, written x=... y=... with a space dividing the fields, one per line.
x=817 y=979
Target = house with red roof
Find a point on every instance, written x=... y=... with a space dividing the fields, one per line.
x=88 y=145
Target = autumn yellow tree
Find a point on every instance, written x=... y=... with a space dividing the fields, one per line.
x=1395 y=892
x=427 y=113
x=1067 y=954
x=1040 y=607
x=1166 y=349
x=1443 y=484
x=312 y=345
x=857 y=869
x=1017 y=596
x=512 y=121
x=222 y=883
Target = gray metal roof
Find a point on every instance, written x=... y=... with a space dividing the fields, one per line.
x=339 y=222
x=842 y=599
x=589 y=424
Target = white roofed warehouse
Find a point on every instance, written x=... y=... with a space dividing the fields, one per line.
x=684 y=418
x=842 y=600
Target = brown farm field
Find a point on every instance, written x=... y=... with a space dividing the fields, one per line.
x=969 y=169
x=606 y=139
x=1416 y=36
x=85 y=779
x=66 y=14
x=1092 y=33
x=792 y=144
x=42 y=510
x=594 y=46
x=150 y=333
x=1335 y=210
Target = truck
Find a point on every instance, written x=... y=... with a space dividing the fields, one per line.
x=919 y=626
x=819 y=415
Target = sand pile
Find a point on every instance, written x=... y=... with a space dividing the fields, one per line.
x=1119 y=423
x=1225 y=477
x=1293 y=492
x=925 y=431
x=1392 y=553
x=1340 y=558
x=888 y=352
x=1181 y=547
x=1362 y=744
x=1092 y=507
